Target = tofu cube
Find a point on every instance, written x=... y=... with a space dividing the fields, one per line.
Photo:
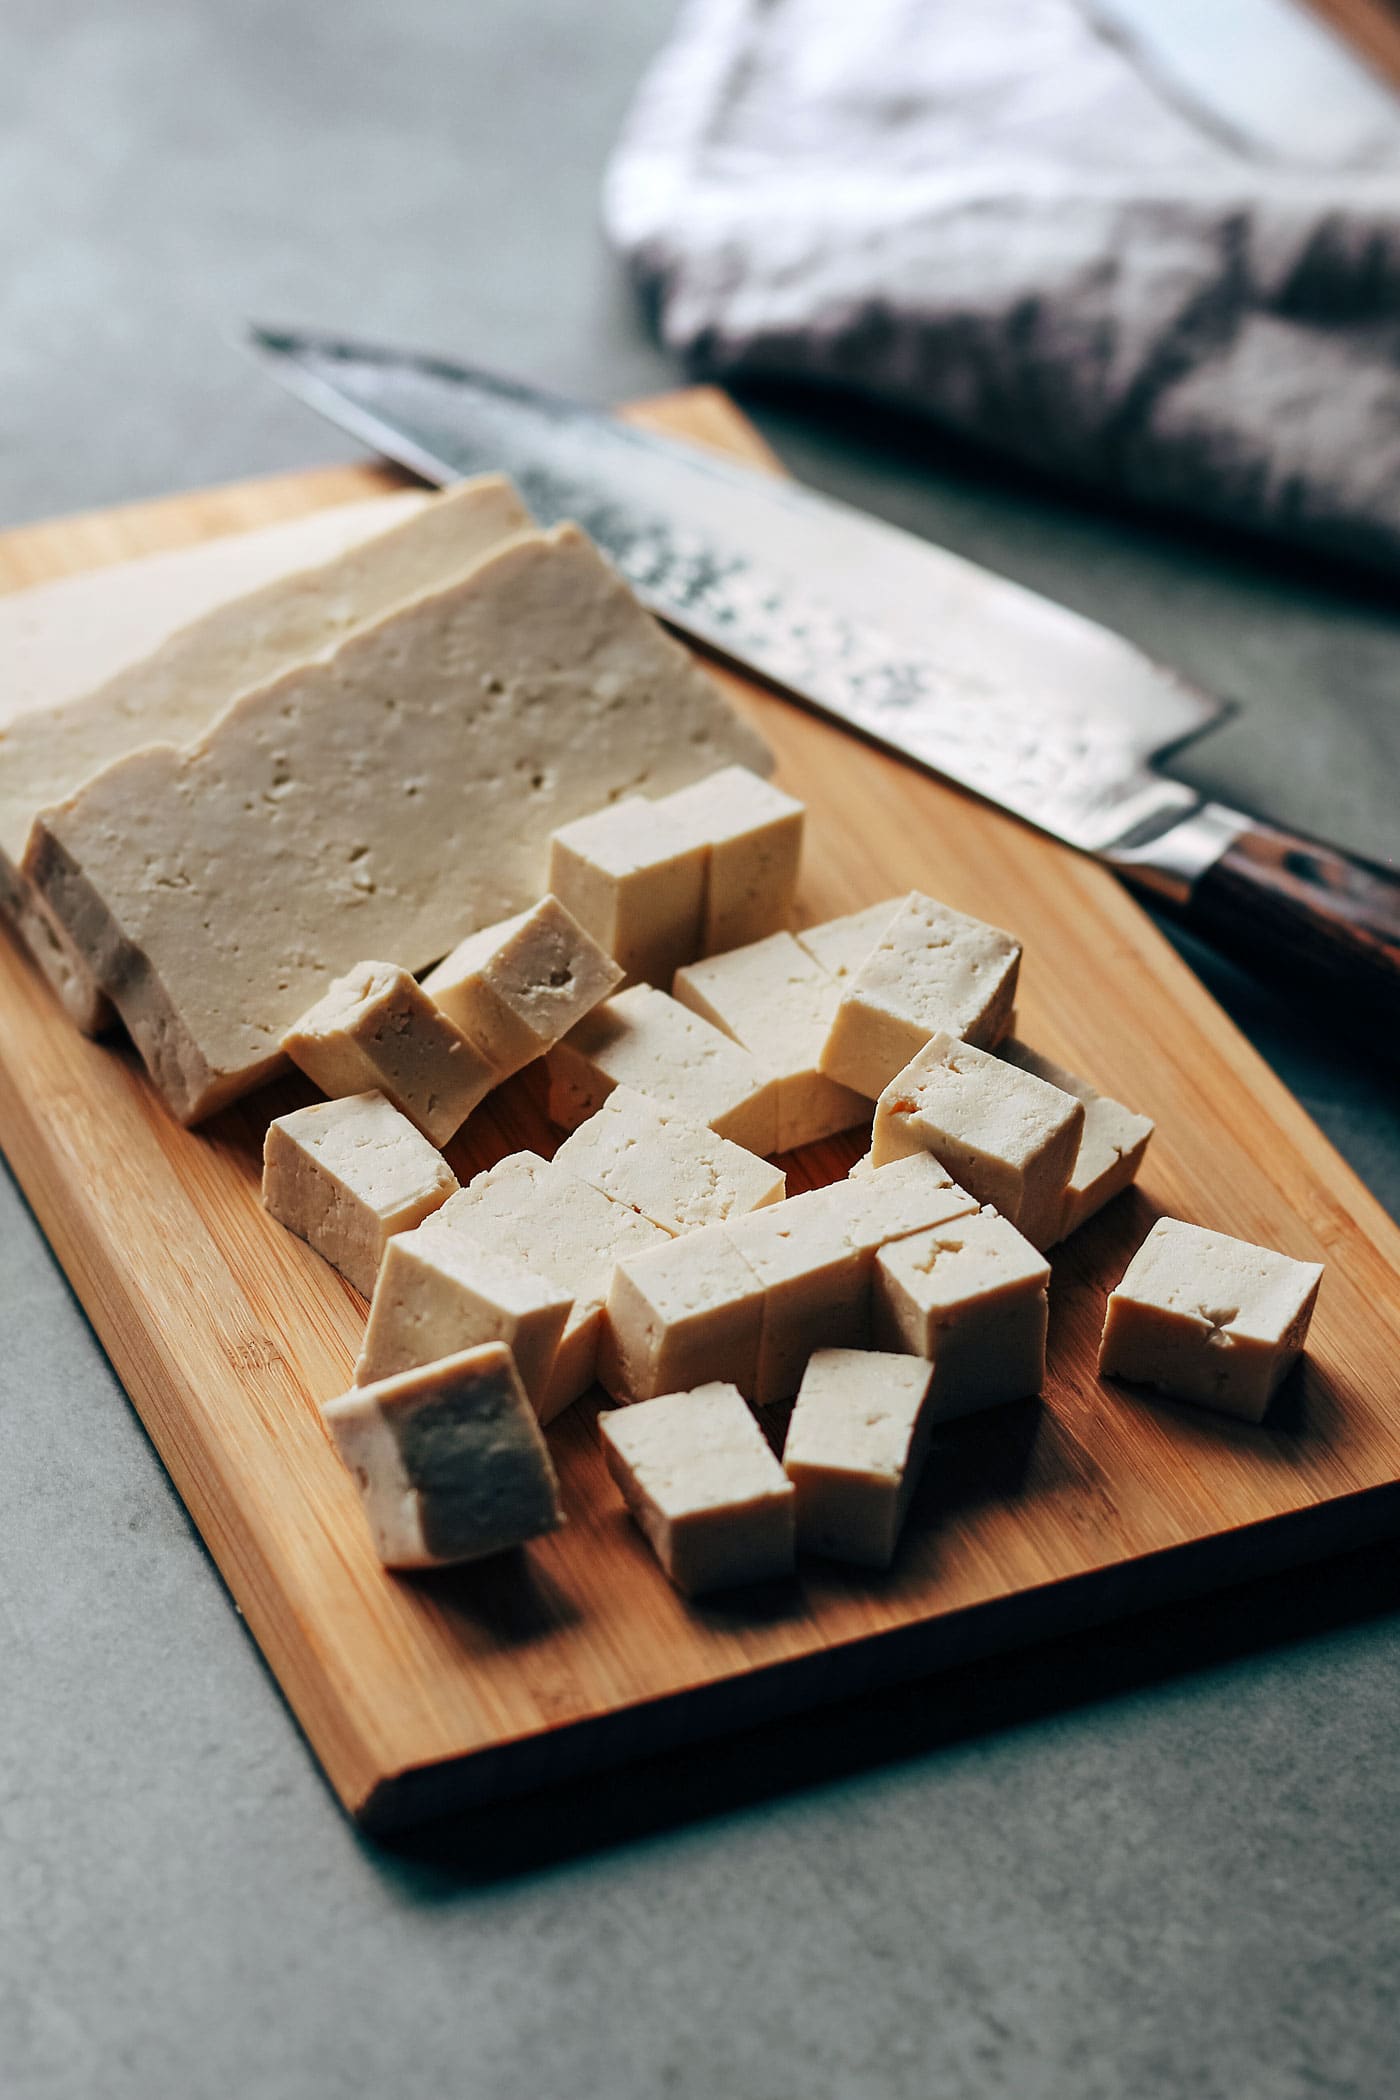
x=778 y=1002
x=695 y=1471
x=1205 y=1317
x=753 y=835
x=842 y=945
x=879 y=1204
x=855 y=1448
x=680 y=1174
x=376 y=1028
x=346 y=1175
x=449 y=1460
x=971 y=1297
x=637 y=883
x=682 y=1315
x=932 y=970
x=646 y=1040
x=515 y=988
x=1008 y=1137
x=816 y=1286
x=1111 y=1145
x=439 y=1292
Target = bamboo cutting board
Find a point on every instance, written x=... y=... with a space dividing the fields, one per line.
x=423 y=1692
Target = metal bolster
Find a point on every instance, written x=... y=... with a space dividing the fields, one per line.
x=1171 y=864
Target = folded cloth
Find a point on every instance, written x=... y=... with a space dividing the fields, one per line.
x=1001 y=216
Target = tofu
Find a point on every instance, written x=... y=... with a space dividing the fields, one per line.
x=778 y=1002
x=637 y=883
x=514 y=989
x=855 y=1448
x=752 y=834
x=1011 y=1139
x=1111 y=1145
x=346 y=1175
x=697 y=1475
x=933 y=970
x=439 y=1292
x=1204 y=1317
x=879 y=1204
x=390 y=797
x=449 y=1460
x=680 y=1174
x=376 y=1030
x=816 y=1286
x=971 y=1296
x=682 y=1315
x=646 y=1040
x=842 y=945
x=572 y=1235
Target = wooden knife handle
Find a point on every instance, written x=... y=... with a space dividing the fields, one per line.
x=1310 y=909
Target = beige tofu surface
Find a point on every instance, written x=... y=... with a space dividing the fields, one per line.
x=514 y=989
x=816 y=1286
x=1207 y=1318
x=680 y=1316
x=647 y=1040
x=752 y=834
x=698 y=1476
x=449 y=1460
x=970 y=1296
x=375 y=1028
x=1111 y=1145
x=636 y=880
x=842 y=945
x=346 y=1175
x=1010 y=1138
x=933 y=970
x=678 y=1173
x=855 y=1447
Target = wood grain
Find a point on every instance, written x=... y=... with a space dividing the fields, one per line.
x=418 y=1693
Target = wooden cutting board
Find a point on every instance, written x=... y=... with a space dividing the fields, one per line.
x=420 y=1693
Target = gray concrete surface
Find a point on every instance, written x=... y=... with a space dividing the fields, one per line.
x=1162 y=1861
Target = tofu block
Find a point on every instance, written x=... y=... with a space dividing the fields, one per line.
x=637 y=883
x=682 y=1315
x=541 y=1215
x=375 y=1029
x=933 y=970
x=449 y=1460
x=971 y=1297
x=696 y=1473
x=346 y=1175
x=680 y=1174
x=855 y=1448
x=1111 y=1145
x=816 y=1286
x=1008 y=1137
x=774 y=999
x=752 y=833
x=439 y=1292
x=387 y=797
x=1205 y=1317
x=648 y=1041
x=514 y=989
x=842 y=945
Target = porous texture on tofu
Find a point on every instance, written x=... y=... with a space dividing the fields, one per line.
x=1008 y=1137
x=439 y=1292
x=449 y=1460
x=375 y=1028
x=1111 y=1144
x=637 y=882
x=680 y=1316
x=932 y=970
x=698 y=1476
x=543 y=1216
x=752 y=834
x=515 y=988
x=345 y=1175
x=778 y=1002
x=678 y=1173
x=855 y=1447
x=971 y=1297
x=842 y=945
x=647 y=1040
x=1205 y=1317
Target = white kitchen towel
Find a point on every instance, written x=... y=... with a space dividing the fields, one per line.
x=1023 y=219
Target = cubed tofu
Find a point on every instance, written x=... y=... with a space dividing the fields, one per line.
x=752 y=833
x=682 y=1315
x=439 y=1292
x=345 y=1175
x=842 y=945
x=647 y=1040
x=971 y=1297
x=855 y=1448
x=1111 y=1145
x=376 y=1028
x=878 y=1204
x=1205 y=1317
x=680 y=1174
x=698 y=1476
x=932 y=970
x=816 y=1286
x=449 y=1460
x=637 y=882
x=515 y=988
x=778 y=1002
x=1008 y=1137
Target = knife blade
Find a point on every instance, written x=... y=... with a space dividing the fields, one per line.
x=1020 y=700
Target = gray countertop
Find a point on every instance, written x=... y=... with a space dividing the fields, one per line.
x=1162 y=1860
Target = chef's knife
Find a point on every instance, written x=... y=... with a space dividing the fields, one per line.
x=1028 y=704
